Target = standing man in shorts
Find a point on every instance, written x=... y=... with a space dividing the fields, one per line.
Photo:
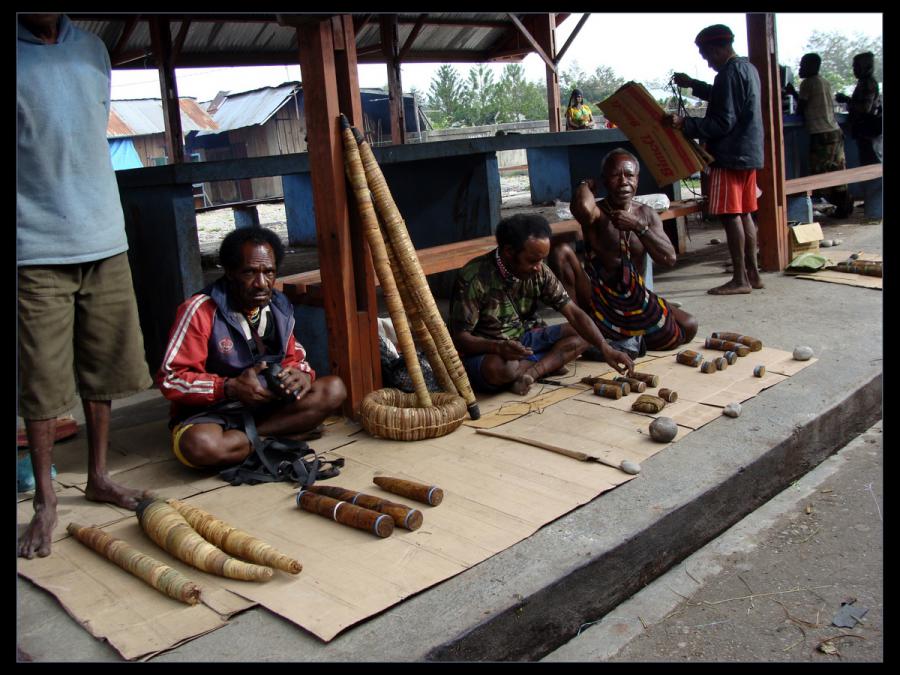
x=493 y=313
x=222 y=340
x=733 y=134
x=77 y=314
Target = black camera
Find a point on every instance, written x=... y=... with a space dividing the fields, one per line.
x=270 y=373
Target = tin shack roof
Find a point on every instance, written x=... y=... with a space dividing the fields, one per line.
x=144 y=116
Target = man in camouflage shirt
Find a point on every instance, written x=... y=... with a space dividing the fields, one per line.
x=493 y=313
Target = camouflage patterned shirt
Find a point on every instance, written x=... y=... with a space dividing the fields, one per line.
x=492 y=303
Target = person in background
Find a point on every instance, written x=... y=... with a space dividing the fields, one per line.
x=578 y=113
x=864 y=109
x=826 y=140
x=733 y=134
x=77 y=312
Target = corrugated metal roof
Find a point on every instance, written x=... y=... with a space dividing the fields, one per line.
x=144 y=116
x=250 y=108
x=247 y=39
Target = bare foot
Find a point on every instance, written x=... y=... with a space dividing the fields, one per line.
x=731 y=288
x=38 y=536
x=522 y=384
x=755 y=281
x=310 y=435
x=107 y=491
x=563 y=370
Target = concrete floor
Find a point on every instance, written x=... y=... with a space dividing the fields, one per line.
x=532 y=598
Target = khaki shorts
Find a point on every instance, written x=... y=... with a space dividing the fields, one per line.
x=78 y=322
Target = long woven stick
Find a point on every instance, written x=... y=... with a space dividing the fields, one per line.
x=234 y=541
x=357 y=177
x=159 y=575
x=412 y=269
x=419 y=329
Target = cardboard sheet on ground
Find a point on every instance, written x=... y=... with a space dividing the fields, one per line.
x=497 y=492
x=505 y=406
x=111 y=604
x=845 y=279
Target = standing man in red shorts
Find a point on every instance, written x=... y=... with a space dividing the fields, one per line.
x=732 y=132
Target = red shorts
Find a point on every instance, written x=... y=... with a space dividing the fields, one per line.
x=731 y=191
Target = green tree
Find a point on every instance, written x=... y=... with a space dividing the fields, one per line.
x=479 y=97
x=596 y=87
x=837 y=51
x=445 y=94
x=517 y=98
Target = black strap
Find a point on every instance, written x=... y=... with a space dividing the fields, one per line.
x=275 y=460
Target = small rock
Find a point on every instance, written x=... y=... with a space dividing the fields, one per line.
x=630 y=467
x=663 y=429
x=715 y=241
x=825 y=243
x=854 y=256
x=732 y=410
x=802 y=353
x=837 y=242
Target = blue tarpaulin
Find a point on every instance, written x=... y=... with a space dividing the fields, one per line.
x=123 y=154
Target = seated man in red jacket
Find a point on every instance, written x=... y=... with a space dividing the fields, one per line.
x=223 y=338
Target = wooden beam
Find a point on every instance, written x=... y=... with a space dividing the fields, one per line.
x=127 y=31
x=771 y=217
x=546 y=55
x=411 y=38
x=818 y=181
x=544 y=28
x=581 y=22
x=350 y=104
x=390 y=42
x=179 y=41
x=161 y=39
x=333 y=235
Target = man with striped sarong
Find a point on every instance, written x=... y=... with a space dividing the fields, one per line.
x=609 y=285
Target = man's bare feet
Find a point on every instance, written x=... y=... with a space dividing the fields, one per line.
x=37 y=538
x=106 y=491
x=731 y=288
x=522 y=384
x=559 y=372
x=754 y=279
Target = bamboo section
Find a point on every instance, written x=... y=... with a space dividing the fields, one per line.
x=357 y=177
x=412 y=269
x=235 y=541
x=420 y=330
x=159 y=575
x=647 y=403
x=168 y=528
x=345 y=513
x=727 y=346
x=402 y=515
x=755 y=344
x=427 y=494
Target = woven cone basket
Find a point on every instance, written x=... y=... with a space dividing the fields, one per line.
x=417 y=285
x=357 y=177
x=391 y=413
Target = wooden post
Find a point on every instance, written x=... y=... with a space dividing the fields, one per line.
x=161 y=39
x=772 y=214
x=390 y=45
x=543 y=28
x=333 y=233
x=350 y=104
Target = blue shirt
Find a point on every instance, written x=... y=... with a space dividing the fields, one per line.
x=67 y=199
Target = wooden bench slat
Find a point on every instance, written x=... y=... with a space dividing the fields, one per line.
x=305 y=287
x=823 y=180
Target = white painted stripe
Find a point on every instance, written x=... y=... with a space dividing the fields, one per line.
x=170 y=381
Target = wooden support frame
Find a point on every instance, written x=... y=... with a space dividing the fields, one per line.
x=543 y=28
x=390 y=44
x=772 y=214
x=162 y=49
x=334 y=235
